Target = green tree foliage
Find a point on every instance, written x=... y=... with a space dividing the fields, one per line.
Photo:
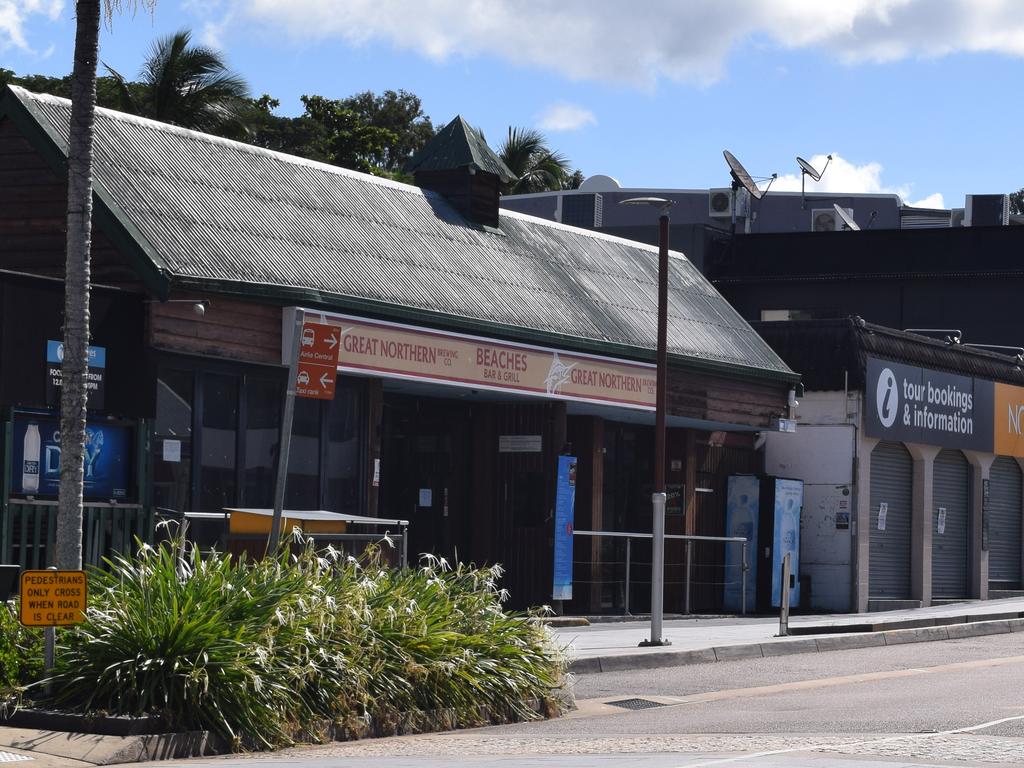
x=398 y=112
x=365 y=132
x=573 y=180
x=343 y=138
x=1017 y=202
x=107 y=88
x=186 y=85
x=528 y=156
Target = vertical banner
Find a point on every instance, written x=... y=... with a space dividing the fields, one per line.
x=741 y=511
x=565 y=498
x=789 y=498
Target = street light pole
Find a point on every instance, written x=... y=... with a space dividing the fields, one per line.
x=659 y=497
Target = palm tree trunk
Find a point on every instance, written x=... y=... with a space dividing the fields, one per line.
x=76 y=285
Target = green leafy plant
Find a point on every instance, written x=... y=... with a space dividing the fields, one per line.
x=21 y=655
x=267 y=652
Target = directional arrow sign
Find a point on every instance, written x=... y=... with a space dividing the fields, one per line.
x=315 y=381
x=317 y=361
x=319 y=344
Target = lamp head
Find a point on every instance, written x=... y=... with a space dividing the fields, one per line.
x=657 y=202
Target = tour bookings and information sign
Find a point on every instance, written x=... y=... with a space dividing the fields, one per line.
x=401 y=351
x=919 y=405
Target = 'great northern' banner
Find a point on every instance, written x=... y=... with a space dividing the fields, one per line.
x=402 y=351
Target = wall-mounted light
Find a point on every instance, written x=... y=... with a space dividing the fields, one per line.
x=199 y=307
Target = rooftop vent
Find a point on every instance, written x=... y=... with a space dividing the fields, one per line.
x=458 y=164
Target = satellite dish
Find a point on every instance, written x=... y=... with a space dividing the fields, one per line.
x=808 y=168
x=740 y=177
x=846 y=218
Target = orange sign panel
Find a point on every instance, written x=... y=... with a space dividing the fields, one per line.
x=53 y=598
x=315 y=381
x=318 y=360
x=393 y=350
x=1009 y=420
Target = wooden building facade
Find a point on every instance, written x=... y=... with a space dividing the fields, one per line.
x=203 y=246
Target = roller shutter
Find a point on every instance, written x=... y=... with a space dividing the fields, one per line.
x=892 y=471
x=1004 y=524
x=949 y=548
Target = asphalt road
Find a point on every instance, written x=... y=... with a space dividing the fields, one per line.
x=950 y=703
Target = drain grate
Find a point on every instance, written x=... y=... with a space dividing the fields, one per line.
x=635 y=704
x=11 y=757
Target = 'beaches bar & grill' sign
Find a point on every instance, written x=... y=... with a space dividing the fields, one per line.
x=402 y=351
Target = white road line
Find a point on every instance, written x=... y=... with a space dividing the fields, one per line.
x=869 y=742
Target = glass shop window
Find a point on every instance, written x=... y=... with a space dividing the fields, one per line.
x=218 y=467
x=344 y=444
x=172 y=440
x=303 y=488
x=262 y=433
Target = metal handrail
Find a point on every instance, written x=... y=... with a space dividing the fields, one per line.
x=622 y=534
x=630 y=535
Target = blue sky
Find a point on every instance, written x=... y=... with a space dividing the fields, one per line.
x=917 y=97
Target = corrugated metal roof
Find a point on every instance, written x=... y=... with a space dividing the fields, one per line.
x=227 y=214
x=459 y=145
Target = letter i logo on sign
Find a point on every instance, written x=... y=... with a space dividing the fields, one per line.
x=887 y=397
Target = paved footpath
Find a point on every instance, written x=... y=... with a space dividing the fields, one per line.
x=609 y=646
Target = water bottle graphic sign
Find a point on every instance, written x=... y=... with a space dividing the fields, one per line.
x=107 y=461
x=30 y=459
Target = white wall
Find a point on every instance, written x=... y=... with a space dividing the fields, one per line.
x=821 y=453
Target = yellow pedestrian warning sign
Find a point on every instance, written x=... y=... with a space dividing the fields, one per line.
x=53 y=598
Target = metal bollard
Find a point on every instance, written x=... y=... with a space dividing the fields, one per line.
x=743 y=588
x=689 y=562
x=626 y=597
x=784 y=598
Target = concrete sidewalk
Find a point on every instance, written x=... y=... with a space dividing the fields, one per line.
x=613 y=646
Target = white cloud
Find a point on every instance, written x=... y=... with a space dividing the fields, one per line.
x=842 y=176
x=14 y=15
x=565 y=117
x=933 y=200
x=640 y=43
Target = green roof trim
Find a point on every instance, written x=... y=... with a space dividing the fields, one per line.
x=318 y=300
x=459 y=145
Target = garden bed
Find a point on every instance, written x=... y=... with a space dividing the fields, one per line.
x=306 y=646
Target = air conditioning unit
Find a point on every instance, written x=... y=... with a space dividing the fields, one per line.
x=827 y=220
x=987 y=211
x=720 y=202
x=956 y=217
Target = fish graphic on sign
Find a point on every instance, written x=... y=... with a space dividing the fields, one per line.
x=558 y=375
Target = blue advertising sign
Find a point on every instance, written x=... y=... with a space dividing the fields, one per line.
x=742 y=507
x=95 y=376
x=36 y=458
x=789 y=498
x=565 y=499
